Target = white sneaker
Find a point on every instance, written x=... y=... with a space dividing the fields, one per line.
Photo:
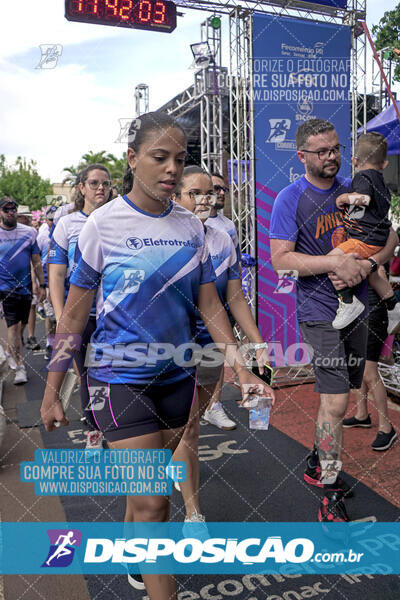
x=11 y=362
x=394 y=318
x=346 y=313
x=195 y=527
x=94 y=440
x=136 y=581
x=218 y=417
x=20 y=375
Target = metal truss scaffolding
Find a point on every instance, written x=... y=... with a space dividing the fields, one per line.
x=211 y=86
x=141 y=99
x=242 y=143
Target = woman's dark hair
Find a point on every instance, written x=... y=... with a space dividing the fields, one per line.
x=138 y=133
x=77 y=197
x=190 y=170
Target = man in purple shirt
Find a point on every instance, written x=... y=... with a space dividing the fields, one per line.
x=305 y=226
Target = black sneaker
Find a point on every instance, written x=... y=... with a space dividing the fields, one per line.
x=312 y=476
x=332 y=508
x=353 y=422
x=136 y=581
x=48 y=353
x=383 y=440
x=32 y=343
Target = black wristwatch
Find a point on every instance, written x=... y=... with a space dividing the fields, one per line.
x=42 y=285
x=374 y=265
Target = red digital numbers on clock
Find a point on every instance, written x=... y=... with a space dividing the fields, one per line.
x=154 y=15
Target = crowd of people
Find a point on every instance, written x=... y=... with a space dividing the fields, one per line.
x=159 y=265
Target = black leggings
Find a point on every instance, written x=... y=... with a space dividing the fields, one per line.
x=80 y=363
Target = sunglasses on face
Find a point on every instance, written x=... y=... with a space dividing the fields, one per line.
x=95 y=183
x=10 y=209
x=220 y=188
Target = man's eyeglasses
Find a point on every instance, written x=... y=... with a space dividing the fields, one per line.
x=10 y=209
x=221 y=188
x=326 y=152
x=95 y=183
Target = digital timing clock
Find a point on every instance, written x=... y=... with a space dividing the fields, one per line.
x=153 y=15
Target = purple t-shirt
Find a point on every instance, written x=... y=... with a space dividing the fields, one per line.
x=308 y=216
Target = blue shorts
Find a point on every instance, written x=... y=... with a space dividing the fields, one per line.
x=122 y=411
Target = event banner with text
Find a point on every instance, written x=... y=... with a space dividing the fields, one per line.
x=301 y=70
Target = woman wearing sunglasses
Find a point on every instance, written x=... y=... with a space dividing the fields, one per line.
x=195 y=192
x=93 y=190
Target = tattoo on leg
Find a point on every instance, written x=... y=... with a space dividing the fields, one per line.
x=325 y=441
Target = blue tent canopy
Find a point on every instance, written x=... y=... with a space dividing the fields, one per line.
x=388 y=125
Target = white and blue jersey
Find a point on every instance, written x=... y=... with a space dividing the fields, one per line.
x=148 y=270
x=226 y=267
x=225 y=224
x=61 y=211
x=43 y=242
x=64 y=240
x=16 y=248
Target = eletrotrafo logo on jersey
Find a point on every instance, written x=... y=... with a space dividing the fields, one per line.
x=135 y=243
x=62 y=547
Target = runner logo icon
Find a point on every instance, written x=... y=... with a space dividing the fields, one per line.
x=133 y=278
x=286 y=281
x=62 y=547
x=279 y=129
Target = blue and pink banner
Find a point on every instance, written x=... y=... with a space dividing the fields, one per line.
x=301 y=70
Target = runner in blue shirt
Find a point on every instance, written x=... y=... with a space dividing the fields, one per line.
x=146 y=258
x=43 y=242
x=305 y=226
x=93 y=190
x=195 y=192
x=217 y=219
x=215 y=413
x=18 y=250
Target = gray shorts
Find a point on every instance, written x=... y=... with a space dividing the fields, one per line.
x=338 y=356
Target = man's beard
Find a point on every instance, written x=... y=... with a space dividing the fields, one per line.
x=9 y=221
x=219 y=204
x=320 y=172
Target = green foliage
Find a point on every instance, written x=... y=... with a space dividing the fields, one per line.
x=22 y=182
x=387 y=34
x=115 y=165
x=395 y=208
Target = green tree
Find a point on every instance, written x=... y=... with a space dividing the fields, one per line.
x=115 y=165
x=387 y=34
x=22 y=182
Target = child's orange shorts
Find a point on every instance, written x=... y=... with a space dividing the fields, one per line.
x=359 y=247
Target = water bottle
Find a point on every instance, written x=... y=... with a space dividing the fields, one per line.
x=260 y=407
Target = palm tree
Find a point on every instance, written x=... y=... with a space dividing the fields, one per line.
x=115 y=165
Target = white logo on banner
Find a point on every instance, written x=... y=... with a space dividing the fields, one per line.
x=278 y=130
x=293 y=176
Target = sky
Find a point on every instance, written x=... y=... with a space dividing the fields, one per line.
x=54 y=116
